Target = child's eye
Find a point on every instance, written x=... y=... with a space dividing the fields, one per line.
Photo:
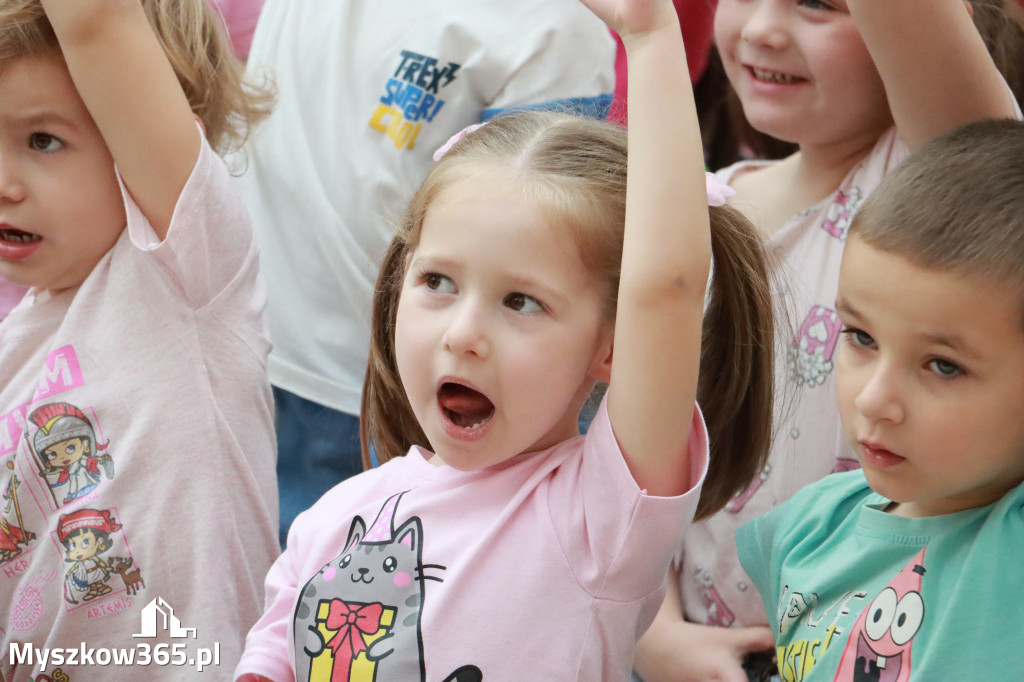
x=521 y=303
x=815 y=4
x=44 y=142
x=439 y=283
x=859 y=338
x=945 y=368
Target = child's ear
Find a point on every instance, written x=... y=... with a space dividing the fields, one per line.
x=601 y=370
x=970 y=8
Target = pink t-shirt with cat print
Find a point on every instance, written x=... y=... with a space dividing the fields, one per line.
x=547 y=566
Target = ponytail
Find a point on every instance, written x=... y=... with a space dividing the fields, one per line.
x=735 y=386
x=387 y=424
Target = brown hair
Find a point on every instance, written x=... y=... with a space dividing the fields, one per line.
x=576 y=169
x=956 y=204
x=1001 y=25
x=194 y=41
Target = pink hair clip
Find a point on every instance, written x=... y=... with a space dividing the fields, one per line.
x=443 y=149
x=717 y=190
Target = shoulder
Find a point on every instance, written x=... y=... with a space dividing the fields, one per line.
x=816 y=508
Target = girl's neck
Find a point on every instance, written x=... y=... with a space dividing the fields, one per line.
x=821 y=169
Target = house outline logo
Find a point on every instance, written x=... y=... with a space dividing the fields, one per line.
x=157 y=616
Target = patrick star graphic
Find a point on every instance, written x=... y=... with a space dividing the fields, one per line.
x=879 y=645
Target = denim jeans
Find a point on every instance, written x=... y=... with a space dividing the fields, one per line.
x=317 y=448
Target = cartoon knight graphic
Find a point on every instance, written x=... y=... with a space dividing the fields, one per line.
x=879 y=644
x=67 y=451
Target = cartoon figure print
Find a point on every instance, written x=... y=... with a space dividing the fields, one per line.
x=879 y=644
x=719 y=613
x=67 y=452
x=810 y=357
x=359 y=617
x=841 y=211
x=86 y=537
x=13 y=536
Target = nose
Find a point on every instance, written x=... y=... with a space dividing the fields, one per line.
x=766 y=24
x=879 y=398
x=12 y=188
x=467 y=329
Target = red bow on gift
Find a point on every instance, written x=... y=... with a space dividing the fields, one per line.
x=350 y=621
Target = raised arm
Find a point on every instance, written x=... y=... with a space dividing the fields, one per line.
x=132 y=93
x=937 y=71
x=666 y=254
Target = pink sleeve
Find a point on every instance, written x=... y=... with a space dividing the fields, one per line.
x=629 y=536
x=267 y=646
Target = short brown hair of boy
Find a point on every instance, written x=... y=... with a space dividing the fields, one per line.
x=196 y=45
x=574 y=169
x=956 y=204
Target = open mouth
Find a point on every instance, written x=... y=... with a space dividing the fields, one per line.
x=14 y=236
x=775 y=77
x=871 y=666
x=464 y=407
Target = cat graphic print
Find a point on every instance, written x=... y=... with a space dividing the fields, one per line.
x=359 y=617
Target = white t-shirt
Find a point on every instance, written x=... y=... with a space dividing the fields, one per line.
x=154 y=370
x=367 y=91
x=548 y=566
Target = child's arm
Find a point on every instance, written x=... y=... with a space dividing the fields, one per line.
x=937 y=71
x=675 y=650
x=133 y=95
x=667 y=251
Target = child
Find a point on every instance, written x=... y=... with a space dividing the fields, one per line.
x=136 y=434
x=854 y=83
x=917 y=577
x=368 y=90
x=494 y=316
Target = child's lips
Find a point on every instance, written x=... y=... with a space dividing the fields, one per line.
x=772 y=76
x=874 y=454
x=17 y=244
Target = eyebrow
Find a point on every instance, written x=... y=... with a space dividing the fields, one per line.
x=45 y=119
x=954 y=342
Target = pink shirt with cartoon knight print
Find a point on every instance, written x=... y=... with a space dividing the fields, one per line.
x=137 y=447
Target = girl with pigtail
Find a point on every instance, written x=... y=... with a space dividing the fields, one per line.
x=529 y=267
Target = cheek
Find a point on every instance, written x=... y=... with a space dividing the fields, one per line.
x=402 y=579
x=727 y=24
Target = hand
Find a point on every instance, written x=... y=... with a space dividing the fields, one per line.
x=687 y=652
x=631 y=18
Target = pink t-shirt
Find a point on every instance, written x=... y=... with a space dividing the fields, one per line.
x=809 y=442
x=137 y=450
x=545 y=567
x=10 y=294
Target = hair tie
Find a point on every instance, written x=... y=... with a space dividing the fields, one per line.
x=717 y=190
x=443 y=149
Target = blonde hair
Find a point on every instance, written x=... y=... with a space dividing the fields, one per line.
x=956 y=204
x=574 y=168
x=193 y=38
